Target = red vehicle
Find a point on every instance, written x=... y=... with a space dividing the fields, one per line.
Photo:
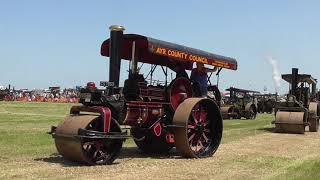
x=158 y=117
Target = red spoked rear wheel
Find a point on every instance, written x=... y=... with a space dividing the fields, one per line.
x=200 y=127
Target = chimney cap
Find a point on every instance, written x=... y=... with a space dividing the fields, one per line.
x=116 y=28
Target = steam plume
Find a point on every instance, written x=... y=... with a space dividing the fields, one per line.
x=275 y=72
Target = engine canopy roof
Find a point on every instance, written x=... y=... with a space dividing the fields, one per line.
x=152 y=51
x=301 y=78
x=241 y=90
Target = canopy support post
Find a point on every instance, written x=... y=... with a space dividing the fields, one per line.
x=153 y=67
x=134 y=63
x=166 y=74
x=209 y=77
x=218 y=78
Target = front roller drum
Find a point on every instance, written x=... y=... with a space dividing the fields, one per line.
x=230 y=112
x=290 y=122
x=86 y=150
x=199 y=127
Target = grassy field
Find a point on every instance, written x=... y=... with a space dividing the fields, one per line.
x=249 y=151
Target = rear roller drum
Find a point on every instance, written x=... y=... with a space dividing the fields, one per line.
x=313 y=117
x=200 y=127
x=85 y=150
x=314 y=124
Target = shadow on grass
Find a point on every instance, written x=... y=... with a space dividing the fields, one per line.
x=273 y=130
x=134 y=152
x=269 y=129
x=58 y=159
x=126 y=154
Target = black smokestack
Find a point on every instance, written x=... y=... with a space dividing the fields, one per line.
x=294 y=80
x=116 y=35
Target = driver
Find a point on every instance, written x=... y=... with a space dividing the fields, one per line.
x=199 y=76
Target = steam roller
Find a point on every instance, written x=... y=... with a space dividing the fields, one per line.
x=301 y=109
x=157 y=115
x=241 y=103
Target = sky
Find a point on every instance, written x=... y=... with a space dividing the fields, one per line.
x=57 y=43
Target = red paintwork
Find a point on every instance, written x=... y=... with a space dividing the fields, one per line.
x=199 y=120
x=180 y=90
x=152 y=93
x=145 y=113
x=91 y=85
x=103 y=111
x=170 y=138
x=140 y=113
x=157 y=129
x=144 y=104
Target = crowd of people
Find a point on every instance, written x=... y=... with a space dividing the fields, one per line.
x=56 y=95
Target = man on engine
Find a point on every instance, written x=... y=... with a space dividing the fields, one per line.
x=200 y=78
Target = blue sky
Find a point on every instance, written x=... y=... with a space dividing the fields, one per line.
x=49 y=43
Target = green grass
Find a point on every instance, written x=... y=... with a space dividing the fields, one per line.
x=262 y=162
x=23 y=127
x=238 y=129
x=302 y=170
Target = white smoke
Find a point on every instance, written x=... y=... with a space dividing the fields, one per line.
x=276 y=75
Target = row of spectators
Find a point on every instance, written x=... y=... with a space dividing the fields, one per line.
x=52 y=95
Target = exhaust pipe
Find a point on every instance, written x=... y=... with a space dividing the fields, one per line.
x=116 y=35
x=294 y=81
x=314 y=90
